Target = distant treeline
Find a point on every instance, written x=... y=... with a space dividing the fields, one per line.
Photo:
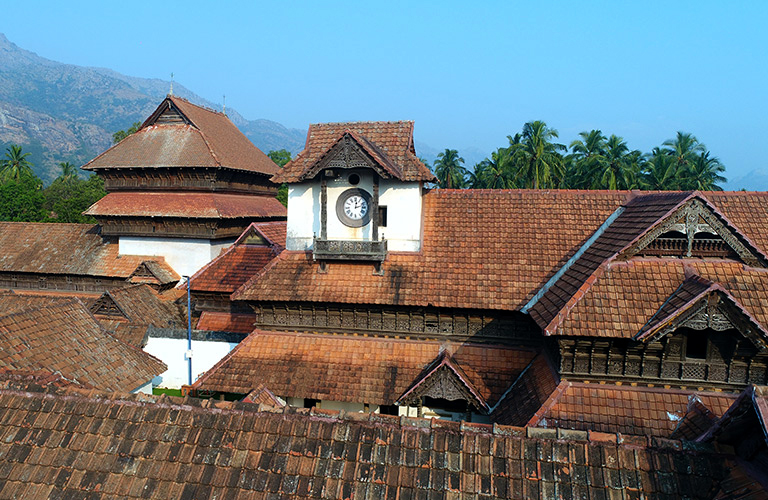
x=534 y=160
x=23 y=198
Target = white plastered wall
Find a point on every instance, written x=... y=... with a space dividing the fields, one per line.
x=402 y=199
x=172 y=352
x=186 y=256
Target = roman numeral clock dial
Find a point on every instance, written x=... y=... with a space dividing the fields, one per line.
x=353 y=207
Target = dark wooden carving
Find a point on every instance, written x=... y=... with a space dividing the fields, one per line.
x=186 y=179
x=690 y=219
x=662 y=362
x=344 y=155
x=443 y=384
x=515 y=328
x=174 y=227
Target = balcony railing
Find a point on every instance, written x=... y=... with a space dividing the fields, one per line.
x=349 y=250
x=679 y=247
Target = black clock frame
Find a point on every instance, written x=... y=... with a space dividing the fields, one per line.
x=346 y=220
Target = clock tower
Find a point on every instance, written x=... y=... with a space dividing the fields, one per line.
x=354 y=192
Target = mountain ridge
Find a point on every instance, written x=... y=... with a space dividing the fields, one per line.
x=63 y=112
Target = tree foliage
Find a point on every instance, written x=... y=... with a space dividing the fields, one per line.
x=281 y=157
x=595 y=161
x=15 y=165
x=22 y=197
x=449 y=170
x=122 y=134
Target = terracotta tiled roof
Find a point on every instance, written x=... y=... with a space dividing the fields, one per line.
x=226 y=322
x=262 y=395
x=753 y=398
x=635 y=291
x=85 y=444
x=697 y=420
x=233 y=267
x=274 y=231
x=210 y=140
x=390 y=144
x=76 y=249
x=142 y=305
x=188 y=205
x=35 y=380
x=629 y=410
x=356 y=369
x=481 y=249
x=65 y=338
x=529 y=392
x=13 y=302
x=597 y=264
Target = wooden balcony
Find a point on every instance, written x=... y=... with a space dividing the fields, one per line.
x=375 y=251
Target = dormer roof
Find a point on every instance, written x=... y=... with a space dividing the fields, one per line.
x=699 y=303
x=181 y=134
x=629 y=234
x=385 y=146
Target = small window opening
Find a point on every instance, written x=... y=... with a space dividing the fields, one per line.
x=696 y=346
x=382 y=216
x=310 y=403
x=388 y=409
x=354 y=179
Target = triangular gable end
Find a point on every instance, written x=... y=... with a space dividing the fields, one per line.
x=252 y=236
x=696 y=229
x=712 y=308
x=444 y=380
x=144 y=274
x=106 y=306
x=348 y=153
x=167 y=113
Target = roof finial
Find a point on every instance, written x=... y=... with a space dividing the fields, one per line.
x=171 y=92
x=224 y=106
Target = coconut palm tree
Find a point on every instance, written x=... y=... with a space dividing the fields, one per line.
x=536 y=158
x=684 y=148
x=15 y=164
x=703 y=173
x=494 y=172
x=587 y=162
x=68 y=171
x=660 y=170
x=449 y=171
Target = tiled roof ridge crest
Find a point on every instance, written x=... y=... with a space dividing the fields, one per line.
x=210 y=406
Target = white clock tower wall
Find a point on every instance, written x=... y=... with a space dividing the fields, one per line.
x=402 y=199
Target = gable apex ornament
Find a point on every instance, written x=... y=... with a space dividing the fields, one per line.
x=692 y=218
x=347 y=153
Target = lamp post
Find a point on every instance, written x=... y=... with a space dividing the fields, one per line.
x=188 y=354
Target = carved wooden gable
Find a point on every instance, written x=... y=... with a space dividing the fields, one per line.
x=168 y=113
x=711 y=308
x=695 y=230
x=444 y=380
x=106 y=306
x=252 y=237
x=144 y=274
x=346 y=153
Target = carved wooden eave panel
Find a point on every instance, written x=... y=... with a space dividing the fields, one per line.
x=345 y=154
x=444 y=381
x=106 y=306
x=692 y=218
x=715 y=309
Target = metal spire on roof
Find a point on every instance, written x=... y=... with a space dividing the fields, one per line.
x=224 y=106
x=171 y=92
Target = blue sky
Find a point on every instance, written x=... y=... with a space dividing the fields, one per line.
x=469 y=75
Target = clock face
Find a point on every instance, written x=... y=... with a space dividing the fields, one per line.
x=356 y=207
